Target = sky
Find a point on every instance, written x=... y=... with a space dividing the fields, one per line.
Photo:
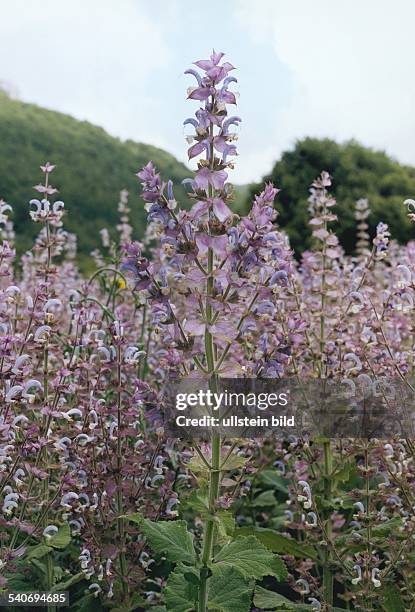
x=305 y=68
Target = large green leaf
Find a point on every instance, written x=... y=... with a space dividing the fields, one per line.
x=197 y=465
x=171 y=539
x=226 y=525
x=278 y=543
x=392 y=599
x=250 y=557
x=38 y=552
x=62 y=538
x=233 y=462
x=19 y=582
x=134 y=602
x=264 y=499
x=180 y=594
x=269 y=600
x=87 y=603
x=271 y=478
x=229 y=590
x=344 y=472
x=198 y=502
x=64 y=586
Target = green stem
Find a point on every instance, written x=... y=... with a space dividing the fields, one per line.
x=327 y=571
x=120 y=501
x=214 y=472
x=210 y=530
x=49 y=557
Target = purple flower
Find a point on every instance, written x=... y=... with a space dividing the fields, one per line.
x=205 y=177
x=151 y=183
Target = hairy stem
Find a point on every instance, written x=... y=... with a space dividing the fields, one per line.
x=120 y=501
x=327 y=571
x=214 y=472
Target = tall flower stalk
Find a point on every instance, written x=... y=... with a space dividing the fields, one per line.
x=216 y=278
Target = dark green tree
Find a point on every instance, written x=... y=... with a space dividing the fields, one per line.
x=357 y=172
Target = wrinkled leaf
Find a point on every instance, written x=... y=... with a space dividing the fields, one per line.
x=251 y=558
x=38 y=552
x=269 y=600
x=171 y=539
x=63 y=586
x=197 y=466
x=62 y=538
x=272 y=479
x=278 y=543
x=229 y=590
x=180 y=594
x=233 y=462
x=198 y=502
x=264 y=499
x=226 y=523
x=392 y=599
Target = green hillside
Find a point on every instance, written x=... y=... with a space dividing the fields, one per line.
x=358 y=172
x=92 y=168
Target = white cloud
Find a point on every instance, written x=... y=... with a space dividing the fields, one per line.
x=352 y=65
x=319 y=68
x=91 y=58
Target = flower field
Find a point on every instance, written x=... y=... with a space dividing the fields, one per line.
x=97 y=499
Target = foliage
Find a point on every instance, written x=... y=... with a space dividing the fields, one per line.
x=93 y=168
x=357 y=172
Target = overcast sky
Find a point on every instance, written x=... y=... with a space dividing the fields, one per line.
x=340 y=69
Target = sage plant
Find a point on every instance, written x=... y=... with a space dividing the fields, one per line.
x=96 y=498
x=217 y=277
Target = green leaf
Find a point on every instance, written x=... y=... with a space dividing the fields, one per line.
x=197 y=466
x=250 y=557
x=269 y=600
x=229 y=590
x=38 y=552
x=19 y=582
x=88 y=603
x=136 y=601
x=170 y=538
x=234 y=462
x=344 y=472
x=392 y=599
x=265 y=499
x=278 y=543
x=198 y=502
x=62 y=538
x=39 y=565
x=135 y=517
x=378 y=531
x=226 y=524
x=180 y=594
x=272 y=479
x=63 y=586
